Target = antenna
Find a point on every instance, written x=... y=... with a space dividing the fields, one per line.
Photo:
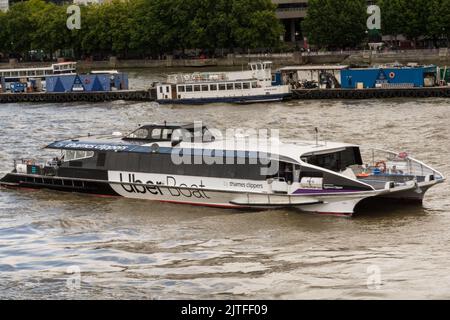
x=317 y=136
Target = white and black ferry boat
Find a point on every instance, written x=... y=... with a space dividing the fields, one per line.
x=247 y=86
x=146 y=164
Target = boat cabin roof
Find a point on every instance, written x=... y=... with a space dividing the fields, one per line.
x=163 y=143
x=54 y=67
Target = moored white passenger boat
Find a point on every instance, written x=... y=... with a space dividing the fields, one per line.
x=189 y=164
x=9 y=76
x=253 y=85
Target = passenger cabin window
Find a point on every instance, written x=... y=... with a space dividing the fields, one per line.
x=230 y=86
x=71 y=155
x=160 y=163
x=238 y=86
x=213 y=87
x=246 y=85
x=181 y=89
x=188 y=88
x=156 y=134
x=139 y=134
x=204 y=87
x=254 y=85
x=222 y=87
x=166 y=134
x=196 y=88
x=336 y=161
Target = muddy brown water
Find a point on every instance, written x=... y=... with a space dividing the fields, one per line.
x=125 y=248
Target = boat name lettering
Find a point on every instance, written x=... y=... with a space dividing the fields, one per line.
x=247 y=185
x=170 y=187
x=102 y=147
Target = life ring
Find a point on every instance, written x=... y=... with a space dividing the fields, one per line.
x=382 y=164
x=403 y=155
x=392 y=75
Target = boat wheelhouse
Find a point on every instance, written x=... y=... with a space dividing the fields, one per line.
x=9 y=76
x=189 y=164
x=253 y=85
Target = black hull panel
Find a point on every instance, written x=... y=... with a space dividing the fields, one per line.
x=65 y=184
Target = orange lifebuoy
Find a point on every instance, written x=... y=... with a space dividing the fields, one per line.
x=363 y=175
x=392 y=75
x=383 y=164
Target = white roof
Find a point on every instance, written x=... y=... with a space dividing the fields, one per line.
x=104 y=72
x=292 y=149
x=49 y=68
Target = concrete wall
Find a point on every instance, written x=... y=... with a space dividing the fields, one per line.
x=438 y=57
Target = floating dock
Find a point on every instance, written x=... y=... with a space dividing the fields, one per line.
x=371 y=93
x=128 y=95
x=297 y=94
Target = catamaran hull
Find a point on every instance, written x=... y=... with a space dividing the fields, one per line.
x=337 y=204
x=412 y=195
x=327 y=202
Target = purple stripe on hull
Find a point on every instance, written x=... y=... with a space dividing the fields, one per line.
x=315 y=191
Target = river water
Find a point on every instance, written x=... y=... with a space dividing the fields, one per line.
x=57 y=245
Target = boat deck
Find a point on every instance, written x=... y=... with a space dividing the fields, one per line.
x=378 y=181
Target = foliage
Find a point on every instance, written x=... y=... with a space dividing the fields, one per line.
x=144 y=27
x=416 y=18
x=336 y=23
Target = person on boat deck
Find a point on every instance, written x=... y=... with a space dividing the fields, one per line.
x=54 y=162
x=288 y=174
x=394 y=170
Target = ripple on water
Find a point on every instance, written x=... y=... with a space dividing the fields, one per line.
x=130 y=249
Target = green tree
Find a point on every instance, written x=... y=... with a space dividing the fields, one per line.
x=438 y=24
x=392 y=17
x=51 y=32
x=255 y=24
x=4 y=37
x=19 y=27
x=416 y=16
x=445 y=13
x=336 y=23
x=144 y=33
x=140 y=26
